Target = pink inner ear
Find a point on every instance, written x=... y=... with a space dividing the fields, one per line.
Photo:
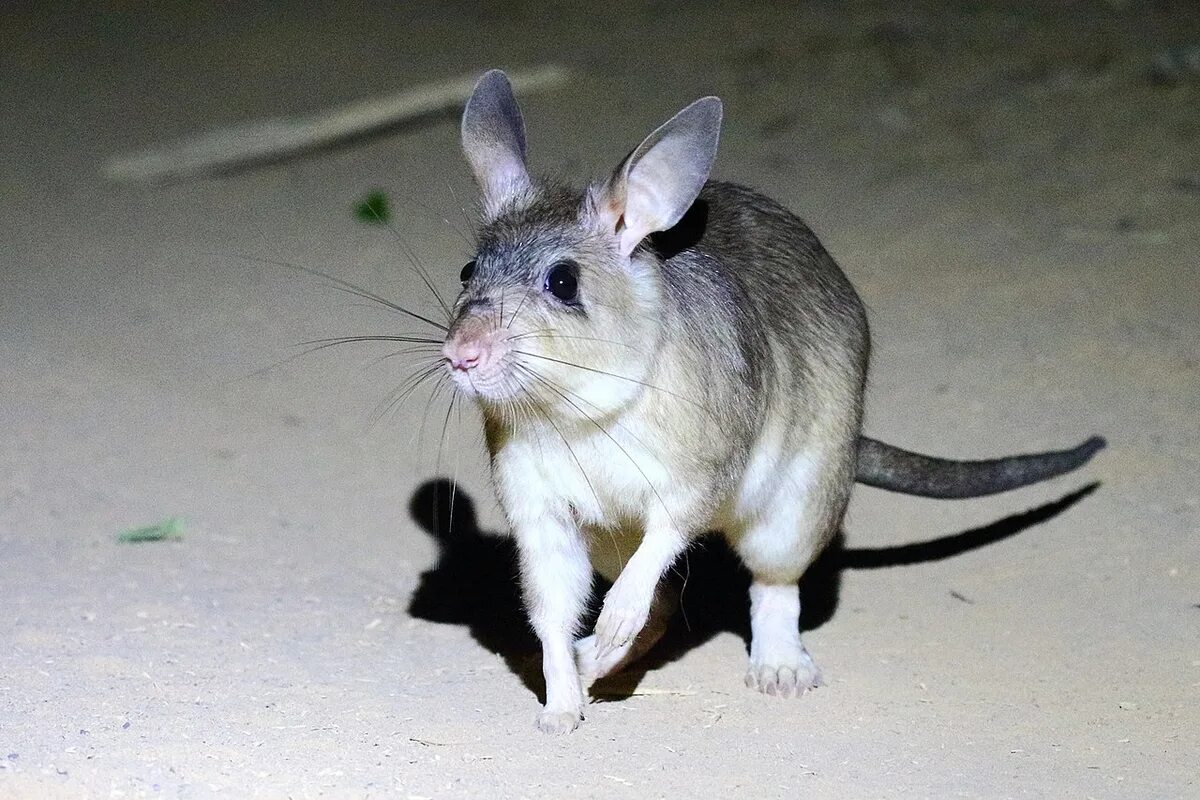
x=628 y=239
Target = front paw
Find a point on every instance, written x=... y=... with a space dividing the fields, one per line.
x=594 y=665
x=559 y=721
x=618 y=625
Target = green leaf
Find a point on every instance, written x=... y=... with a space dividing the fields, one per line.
x=374 y=210
x=167 y=529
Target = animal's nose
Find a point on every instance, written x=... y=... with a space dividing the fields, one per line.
x=463 y=355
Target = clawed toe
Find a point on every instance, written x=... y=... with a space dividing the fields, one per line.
x=559 y=722
x=794 y=677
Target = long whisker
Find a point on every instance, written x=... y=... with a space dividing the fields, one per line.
x=619 y=377
x=457 y=458
x=414 y=262
x=322 y=344
x=435 y=389
x=344 y=286
x=438 y=467
x=403 y=391
x=524 y=407
x=548 y=334
x=546 y=416
x=596 y=408
x=619 y=446
x=462 y=211
x=389 y=304
x=423 y=274
x=524 y=297
x=336 y=340
x=408 y=351
x=434 y=393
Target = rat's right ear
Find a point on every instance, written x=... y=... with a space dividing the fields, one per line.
x=493 y=139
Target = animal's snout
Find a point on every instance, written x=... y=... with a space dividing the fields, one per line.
x=473 y=345
x=463 y=355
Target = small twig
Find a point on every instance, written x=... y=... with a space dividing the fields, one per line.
x=428 y=743
x=601 y=692
x=265 y=140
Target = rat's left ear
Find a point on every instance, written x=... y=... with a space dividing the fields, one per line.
x=658 y=182
x=493 y=139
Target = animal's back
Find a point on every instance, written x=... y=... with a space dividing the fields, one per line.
x=790 y=278
x=741 y=264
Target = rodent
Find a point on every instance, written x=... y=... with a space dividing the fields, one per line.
x=656 y=356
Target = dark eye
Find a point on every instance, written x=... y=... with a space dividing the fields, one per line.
x=563 y=281
x=467 y=271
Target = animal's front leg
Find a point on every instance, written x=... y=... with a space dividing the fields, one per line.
x=593 y=665
x=556 y=577
x=627 y=604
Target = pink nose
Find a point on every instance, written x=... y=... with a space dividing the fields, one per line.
x=463 y=355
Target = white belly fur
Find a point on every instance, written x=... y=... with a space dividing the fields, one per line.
x=608 y=486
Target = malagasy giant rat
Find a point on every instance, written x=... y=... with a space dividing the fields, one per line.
x=656 y=356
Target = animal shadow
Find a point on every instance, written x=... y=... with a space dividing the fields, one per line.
x=475 y=580
x=475 y=583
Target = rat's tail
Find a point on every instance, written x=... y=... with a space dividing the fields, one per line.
x=887 y=467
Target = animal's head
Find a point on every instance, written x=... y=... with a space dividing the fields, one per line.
x=561 y=308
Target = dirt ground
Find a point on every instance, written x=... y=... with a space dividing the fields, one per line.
x=1013 y=187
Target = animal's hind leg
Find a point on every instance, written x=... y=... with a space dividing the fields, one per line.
x=777 y=547
x=779 y=663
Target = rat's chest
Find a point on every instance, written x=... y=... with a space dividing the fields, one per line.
x=601 y=477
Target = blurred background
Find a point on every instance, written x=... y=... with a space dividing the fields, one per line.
x=1014 y=188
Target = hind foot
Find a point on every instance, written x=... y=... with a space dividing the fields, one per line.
x=786 y=672
x=559 y=722
x=779 y=664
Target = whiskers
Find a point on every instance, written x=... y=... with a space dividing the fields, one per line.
x=598 y=371
x=353 y=289
x=425 y=345
x=321 y=344
x=407 y=388
x=573 y=400
x=423 y=352
x=552 y=333
x=527 y=392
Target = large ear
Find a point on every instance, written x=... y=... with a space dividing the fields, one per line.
x=493 y=139
x=658 y=182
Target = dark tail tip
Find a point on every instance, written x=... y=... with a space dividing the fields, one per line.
x=1043 y=466
x=1085 y=451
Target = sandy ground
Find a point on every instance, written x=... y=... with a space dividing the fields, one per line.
x=1016 y=198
